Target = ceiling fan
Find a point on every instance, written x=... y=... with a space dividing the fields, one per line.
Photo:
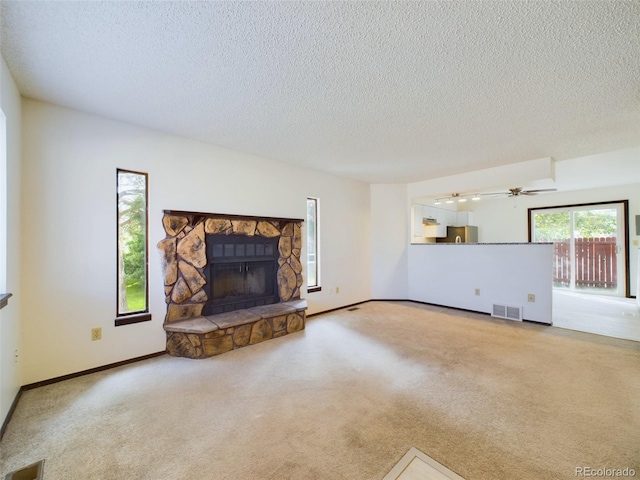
x=518 y=191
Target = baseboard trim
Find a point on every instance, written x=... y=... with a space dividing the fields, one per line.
x=446 y=306
x=412 y=301
x=393 y=300
x=337 y=308
x=50 y=381
x=10 y=412
x=455 y=308
x=373 y=300
x=91 y=370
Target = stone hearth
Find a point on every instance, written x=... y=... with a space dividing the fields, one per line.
x=188 y=288
x=203 y=337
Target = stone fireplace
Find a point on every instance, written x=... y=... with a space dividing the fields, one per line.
x=229 y=281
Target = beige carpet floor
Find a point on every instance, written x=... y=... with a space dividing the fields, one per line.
x=346 y=399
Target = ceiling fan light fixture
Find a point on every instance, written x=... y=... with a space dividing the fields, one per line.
x=462 y=199
x=519 y=191
x=475 y=197
x=449 y=200
x=437 y=202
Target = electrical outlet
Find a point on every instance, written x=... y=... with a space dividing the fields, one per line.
x=531 y=297
x=477 y=291
x=634 y=243
x=96 y=334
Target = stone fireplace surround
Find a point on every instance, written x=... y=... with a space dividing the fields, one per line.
x=184 y=259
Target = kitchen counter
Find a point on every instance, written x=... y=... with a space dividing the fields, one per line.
x=489 y=243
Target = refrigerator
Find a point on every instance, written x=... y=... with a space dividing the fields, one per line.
x=468 y=234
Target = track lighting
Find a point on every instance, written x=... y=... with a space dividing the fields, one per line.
x=456 y=196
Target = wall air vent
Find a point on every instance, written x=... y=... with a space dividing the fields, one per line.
x=506 y=311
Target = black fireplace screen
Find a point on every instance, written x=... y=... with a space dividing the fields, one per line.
x=241 y=272
x=242 y=279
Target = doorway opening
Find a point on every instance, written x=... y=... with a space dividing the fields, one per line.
x=590 y=245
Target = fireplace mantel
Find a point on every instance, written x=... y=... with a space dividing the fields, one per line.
x=195 y=217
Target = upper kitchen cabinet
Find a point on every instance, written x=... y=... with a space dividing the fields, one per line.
x=464 y=218
x=429 y=215
x=439 y=215
x=451 y=217
x=417 y=217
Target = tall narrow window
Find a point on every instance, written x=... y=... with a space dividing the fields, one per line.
x=133 y=290
x=313 y=269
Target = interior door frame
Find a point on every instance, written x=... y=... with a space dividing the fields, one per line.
x=625 y=229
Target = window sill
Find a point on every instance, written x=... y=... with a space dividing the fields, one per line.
x=4 y=299
x=314 y=289
x=135 y=318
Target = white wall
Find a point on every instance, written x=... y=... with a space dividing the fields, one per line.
x=390 y=238
x=10 y=245
x=449 y=274
x=69 y=218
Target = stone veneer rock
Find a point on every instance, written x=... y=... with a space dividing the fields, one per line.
x=183 y=255
x=203 y=337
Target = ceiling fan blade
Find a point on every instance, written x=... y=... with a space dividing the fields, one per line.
x=529 y=192
x=516 y=192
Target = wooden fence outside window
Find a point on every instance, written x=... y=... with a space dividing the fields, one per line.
x=595 y=263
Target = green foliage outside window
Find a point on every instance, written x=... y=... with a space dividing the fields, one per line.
x=595 y=223
x=132 y=242
x=588 y=224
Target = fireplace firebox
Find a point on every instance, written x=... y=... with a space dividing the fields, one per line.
x=241 y=272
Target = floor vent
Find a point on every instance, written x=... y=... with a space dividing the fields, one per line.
x=32 y=472
x=507 y=311
x=416 y=464
x=352 y=309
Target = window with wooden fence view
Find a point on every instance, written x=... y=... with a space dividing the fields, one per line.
x=585 y=246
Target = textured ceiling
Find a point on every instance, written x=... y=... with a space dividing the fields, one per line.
x=376 y=91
